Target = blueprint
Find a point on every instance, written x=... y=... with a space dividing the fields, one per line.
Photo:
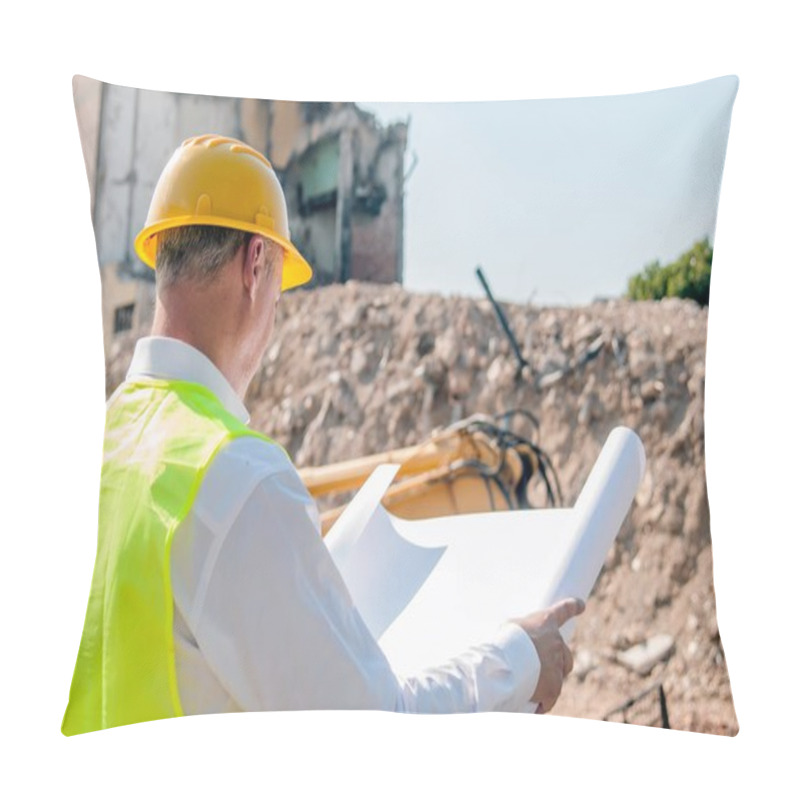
x=429 y=589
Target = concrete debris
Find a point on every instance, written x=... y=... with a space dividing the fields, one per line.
x=641 y=658
x=584 y=662
x=551 y=377
x=651 y=390
x=590 y=410
x=359 y=368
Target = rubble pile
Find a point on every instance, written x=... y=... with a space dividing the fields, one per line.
x=358 y=368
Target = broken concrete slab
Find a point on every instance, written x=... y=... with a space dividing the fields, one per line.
x=641 y=658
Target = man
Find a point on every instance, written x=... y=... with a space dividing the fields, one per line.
x=213 y=590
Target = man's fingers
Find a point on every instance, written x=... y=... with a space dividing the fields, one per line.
x=567 y=609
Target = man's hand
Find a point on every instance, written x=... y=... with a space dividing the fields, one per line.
x=554 y=655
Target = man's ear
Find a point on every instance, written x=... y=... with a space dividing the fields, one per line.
x=253 y=264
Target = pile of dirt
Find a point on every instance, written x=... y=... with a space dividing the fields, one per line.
x=356 y=369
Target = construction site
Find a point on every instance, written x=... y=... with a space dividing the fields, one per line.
x=358 y=369
x=487 y=406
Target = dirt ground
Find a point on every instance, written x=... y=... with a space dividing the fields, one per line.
x=356 y=369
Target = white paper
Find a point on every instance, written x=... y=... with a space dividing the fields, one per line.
x=429 y=589
x=347 y=529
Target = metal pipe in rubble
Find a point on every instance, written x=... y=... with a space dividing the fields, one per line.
x=521 y=362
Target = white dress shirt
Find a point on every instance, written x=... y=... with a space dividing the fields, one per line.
x=263 y=620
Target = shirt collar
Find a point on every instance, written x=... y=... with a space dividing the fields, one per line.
x=171 y=359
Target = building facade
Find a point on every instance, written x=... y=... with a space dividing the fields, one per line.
x=342 y=174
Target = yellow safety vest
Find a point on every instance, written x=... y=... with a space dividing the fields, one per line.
x=160 y=438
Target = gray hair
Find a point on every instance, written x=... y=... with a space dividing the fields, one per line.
x=198 y=252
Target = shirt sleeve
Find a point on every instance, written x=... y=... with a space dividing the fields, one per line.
x=279 y=630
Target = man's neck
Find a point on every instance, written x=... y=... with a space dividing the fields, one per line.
x=204 y=337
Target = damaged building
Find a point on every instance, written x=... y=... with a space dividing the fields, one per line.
x=342 y=174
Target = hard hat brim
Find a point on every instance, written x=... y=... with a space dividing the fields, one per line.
x=296 y=270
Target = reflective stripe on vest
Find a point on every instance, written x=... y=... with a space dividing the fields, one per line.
x=160 y=438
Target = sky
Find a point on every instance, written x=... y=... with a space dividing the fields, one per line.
x=559 y=201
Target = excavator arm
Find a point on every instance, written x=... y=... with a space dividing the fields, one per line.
x=477 y=464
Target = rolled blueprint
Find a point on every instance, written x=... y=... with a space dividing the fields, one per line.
x=599 y=513
x=428 y=589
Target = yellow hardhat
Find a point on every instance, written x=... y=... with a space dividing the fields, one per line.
x=216 y=180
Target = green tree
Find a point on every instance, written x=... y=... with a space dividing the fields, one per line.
x=688 y=276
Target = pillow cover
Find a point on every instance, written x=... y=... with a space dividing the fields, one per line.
x=592 y=219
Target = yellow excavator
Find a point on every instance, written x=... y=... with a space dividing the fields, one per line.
x=478 y=464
